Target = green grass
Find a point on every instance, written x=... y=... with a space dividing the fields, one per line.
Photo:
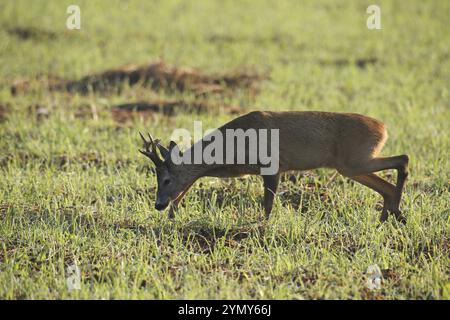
x=75 y=189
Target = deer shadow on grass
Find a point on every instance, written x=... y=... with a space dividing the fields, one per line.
x=204 y=238
x=198 y=235
x=224 y=195
x=294 y=194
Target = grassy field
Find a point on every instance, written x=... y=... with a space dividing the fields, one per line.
x=75 y=191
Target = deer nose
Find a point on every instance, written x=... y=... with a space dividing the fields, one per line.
x=161 y=206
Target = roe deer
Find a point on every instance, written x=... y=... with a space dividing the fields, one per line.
x=347 y=142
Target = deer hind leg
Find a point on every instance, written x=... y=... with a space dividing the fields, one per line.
x=270 y=188
x=402 y=175
x=384 y=188
x=400 y=163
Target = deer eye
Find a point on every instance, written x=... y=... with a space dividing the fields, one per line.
x=166 y=182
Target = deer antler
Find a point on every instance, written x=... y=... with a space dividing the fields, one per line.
x=150 y=149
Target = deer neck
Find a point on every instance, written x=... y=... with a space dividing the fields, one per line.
x=196 y=167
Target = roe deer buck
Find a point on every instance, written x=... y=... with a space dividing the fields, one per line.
x=347 y=142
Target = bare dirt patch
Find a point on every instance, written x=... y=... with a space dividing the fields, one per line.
x=34 y=33
x=4 y=110
x=278 y=39
x=157 y=75
x=127 y=112
x=86 y=160
x=361 y=63
x=34 y=84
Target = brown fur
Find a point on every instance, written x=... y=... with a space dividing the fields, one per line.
x=347 y=142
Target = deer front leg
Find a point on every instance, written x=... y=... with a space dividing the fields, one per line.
x=172 y=209
x=174 y=205
x=270 y=188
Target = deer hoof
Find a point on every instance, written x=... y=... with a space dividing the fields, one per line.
x=384 y=216
x=401 y=218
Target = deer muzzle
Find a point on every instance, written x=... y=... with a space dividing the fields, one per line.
x=161 y=205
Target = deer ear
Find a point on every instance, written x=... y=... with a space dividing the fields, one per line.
x=172 y=145
x=164 y=152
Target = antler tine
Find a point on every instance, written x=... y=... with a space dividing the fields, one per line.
x=150 y=137
x=153 y=144
x=151 y=153
x=146 y=143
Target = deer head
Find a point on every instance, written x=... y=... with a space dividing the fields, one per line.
x=172 y=178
